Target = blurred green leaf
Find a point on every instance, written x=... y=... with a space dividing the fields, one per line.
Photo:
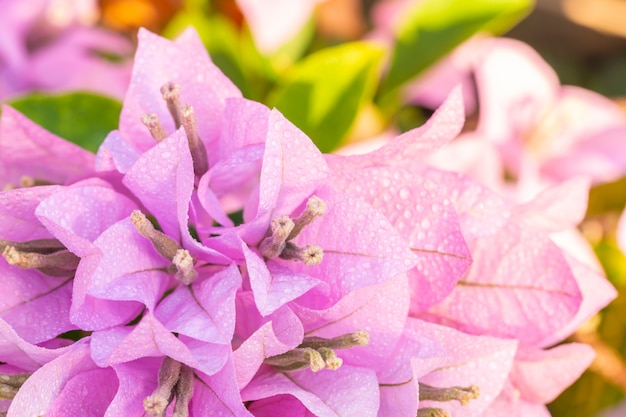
x=82 y=118
x=610 y=196
x=323 y=94
x=432 y=28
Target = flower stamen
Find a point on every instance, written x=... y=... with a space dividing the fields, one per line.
x=184 y=392
x=152 y=122
x=169 y=374
x=297 y=358
x=432 y=412
x=283 y=229
x=46 y=255
x=273 y=245
x=315 y=207
x=461 y=394
x=196 y=147
x=181 y=259
x=171 y=95
x=309 y=255
x=317 y=353
x=10 y=384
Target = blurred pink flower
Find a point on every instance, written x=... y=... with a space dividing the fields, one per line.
x=53 y=45
x=539 y=132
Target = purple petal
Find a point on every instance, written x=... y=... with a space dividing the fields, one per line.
x=18 y=221
x=35 y=305
x=272 y=284
x=380 y=310
x=137 y=380
x=262 y=336
x=292 y=169
x=17 y=352
x=204 y=310
x=77 y=215
x=324 y=393
x=162 y=179
x=150 y=338
x=218 y=393
x=62 y=384
x=116 y=154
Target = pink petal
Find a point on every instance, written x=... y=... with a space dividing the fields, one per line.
x=425 y=219
x=324 y=393
x=150 y=338
x=29 y=150
x=515 y=87
x=77 y=215
x=361 y=248
x=557 y=208
x=504 y=294
x=204 y=310
x=35 y=305
x=380 y=310
x=17 y=352
x=597 y=293
x=541 y=375
x=262 y=336
x=18 y=221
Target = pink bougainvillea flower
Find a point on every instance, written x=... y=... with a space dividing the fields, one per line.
x=176 y=72
x=53 y=46
x=275 y=22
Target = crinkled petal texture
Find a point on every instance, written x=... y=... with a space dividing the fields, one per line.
x=184 y=62
x=29 y=150
x=69 y=385
x=443 y=357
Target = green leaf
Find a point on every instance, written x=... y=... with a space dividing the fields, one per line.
x=323 y=94
x=433 y=28
x=82 y=118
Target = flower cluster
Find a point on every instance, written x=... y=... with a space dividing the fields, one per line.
x=209 y=260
